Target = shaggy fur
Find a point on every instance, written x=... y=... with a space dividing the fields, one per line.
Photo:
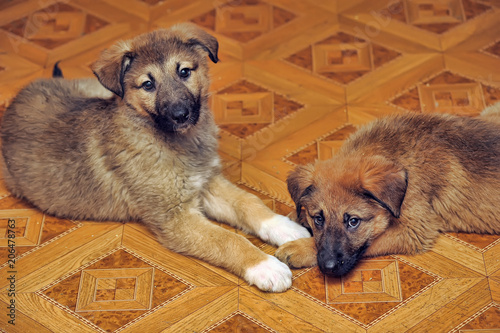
x=141 y=145
x=394 y=186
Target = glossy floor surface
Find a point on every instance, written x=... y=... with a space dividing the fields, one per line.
x=295 y=79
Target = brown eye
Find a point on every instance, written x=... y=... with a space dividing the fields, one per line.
x=185 y=73
x=148 y=86
x=319 y=220
x=353 y=222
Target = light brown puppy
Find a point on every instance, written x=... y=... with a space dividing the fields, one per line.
x=394 y=186
x=142 y=147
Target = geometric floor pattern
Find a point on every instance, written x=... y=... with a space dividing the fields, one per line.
x=295 y=79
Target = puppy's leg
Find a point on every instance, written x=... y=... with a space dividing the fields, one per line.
x=299 y=253
x=227 y=203
x=189 y=232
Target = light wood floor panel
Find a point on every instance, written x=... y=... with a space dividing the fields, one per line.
x=46 y=314
x=454 y=313
x=308 y=89
x=187 y=268
x=272 y=315
x=309 y=310
x=62 y=256
x=429 y=302
x=212 y=304
x=462 y=254
x=23 y=323
x=474 y=64
x=209 y=315
x=322 y=68
x=397 y=76
x=492 y=259
x=494 y=282
x=441 y=265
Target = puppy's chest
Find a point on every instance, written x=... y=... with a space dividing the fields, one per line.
x=196 y=176
x=183 y=171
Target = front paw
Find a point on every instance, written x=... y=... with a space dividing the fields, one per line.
x=299 y=253
x=269 y=275
x=280 y=229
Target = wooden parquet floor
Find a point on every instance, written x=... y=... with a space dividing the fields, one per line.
x=296 y=77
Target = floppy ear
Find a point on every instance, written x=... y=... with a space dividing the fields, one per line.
x=192 y=34
x=300 y=183
x=112 y=65
x=385 y=182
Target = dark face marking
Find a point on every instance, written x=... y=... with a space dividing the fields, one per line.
x=170 y=90
x=172 y=117
x=334 y=260
x=342 y=224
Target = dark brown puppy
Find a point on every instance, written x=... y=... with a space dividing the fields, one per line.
x=146 y=153
x=394 y=186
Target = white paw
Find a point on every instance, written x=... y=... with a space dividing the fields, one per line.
x=280 y=229
x=269 y=275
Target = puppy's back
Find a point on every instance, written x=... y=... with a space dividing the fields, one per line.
x=433 y=139
x=44 y=134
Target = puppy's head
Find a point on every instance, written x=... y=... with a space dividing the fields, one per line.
x=347 y=203
x=162 y=75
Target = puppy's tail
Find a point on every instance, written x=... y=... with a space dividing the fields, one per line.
x=56 y=71
x=492 y=113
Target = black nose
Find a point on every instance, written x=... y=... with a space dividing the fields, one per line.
x=332 y=263
x=329 y=265
x=180 y=115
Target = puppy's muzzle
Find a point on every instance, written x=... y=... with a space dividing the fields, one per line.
x=336 y=262
x=177 y=116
